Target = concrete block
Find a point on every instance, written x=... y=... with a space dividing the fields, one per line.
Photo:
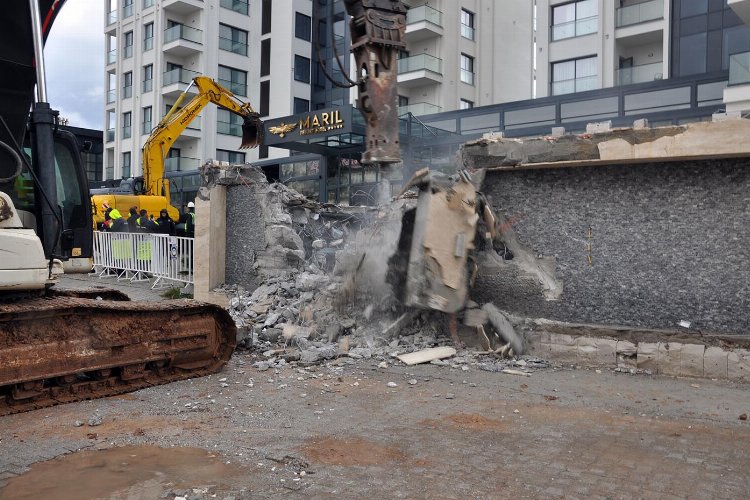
x=647 y=357
x=626 y=353
x=597 y=351
x=558 y=131
x=715 y=362
x=738 y=364
x=598 y=127
x=691 y=360
x=669 y=358
x=533 y=341
x=493 y=135
x=563 y=353
x=562 y=339
x=641 y=124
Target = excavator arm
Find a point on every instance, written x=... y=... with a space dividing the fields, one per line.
x=178 y=118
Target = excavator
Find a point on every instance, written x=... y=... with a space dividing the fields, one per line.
x=151 y=192
x=58 y=346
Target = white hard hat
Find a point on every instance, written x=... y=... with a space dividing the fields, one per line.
x=191 y=205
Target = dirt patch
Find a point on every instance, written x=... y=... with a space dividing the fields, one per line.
x=353 y=451
x=117 y=472
x=471 y=421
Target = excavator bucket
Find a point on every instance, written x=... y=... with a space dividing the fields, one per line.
x=252 y=131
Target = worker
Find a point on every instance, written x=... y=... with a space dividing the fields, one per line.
x=146 y=224
x=165 y=222
x=133 y=220
x=117 y=224
x=188 y=218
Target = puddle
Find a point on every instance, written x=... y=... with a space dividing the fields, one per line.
x=127 y=472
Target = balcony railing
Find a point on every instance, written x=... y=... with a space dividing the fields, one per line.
x=639 y=13
x=579 y=27
x=127 y=51
x=181 y=164
x=419 y=108
x=148 y=43
x=195 y=124
x=467 y=32
x=233 y=46
x=640 y=74
x=178 y=75
x=111 y=17
x=424 y=13
x=182 y=32
x=148 y=3
x=127 y=91
x=467 y=76
x=739 y=68
x=227 y=128
x=575 y=85
x=127 y=132
x=110 y=134
x=111 y=96
x=420 y=62
x=240 y=6
x=234 y=87
x=112 y=56
x=148 y=85
x=146 y=128
x=127 y=10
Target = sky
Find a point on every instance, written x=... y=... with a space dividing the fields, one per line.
x=74 y=56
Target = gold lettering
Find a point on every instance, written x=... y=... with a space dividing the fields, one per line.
x=338 y=117
x=305 y=123
x=325 y=118
x=315 y=121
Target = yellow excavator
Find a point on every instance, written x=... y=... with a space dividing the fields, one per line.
x=151 y=192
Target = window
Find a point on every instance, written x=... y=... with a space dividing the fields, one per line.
x=693 y=54
x=240 y=6
x=228 y=123
x=265 y=57
x=127 y=85
x=111 y=124
x=467 y=69
x=574 y=19
x=232 y=39
x=148 y=3
x=265 y=23
x=233 y=79
x=148 y=36
x=128 y=45
x=465 y=104
x=111 y=87
x=467 y=24
x=233 y=157
x=301 y=105
x=302 y=26
x=403 y=101
x=265 y=98
x=146 y=123
x=127 y=121
x=301 y=69
x=576 y=75
x=126 y=165
x=693 y=8
x=148 y=78
x=127 y=8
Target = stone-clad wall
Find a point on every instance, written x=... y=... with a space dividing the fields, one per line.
x=669 y=242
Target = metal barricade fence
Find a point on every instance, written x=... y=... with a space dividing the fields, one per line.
x=142 y=256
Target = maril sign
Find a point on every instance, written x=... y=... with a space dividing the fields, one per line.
x=316 y=123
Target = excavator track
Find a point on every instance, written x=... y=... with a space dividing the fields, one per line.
x=67 y=347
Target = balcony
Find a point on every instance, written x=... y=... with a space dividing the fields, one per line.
x=193 y=128
x=419 y=109
x=234 y=87
x=233 y=46
x=241 y=6
x=571 y=29
x=111 y=17
x=640 y=74
x=419 y=70
x=737 y=93
x=183 y=6
x=127 y=10
x=110 y=135
x=112 y=56
x=423 y=22
x=174 y=82
x=575 y=85
x=148 y=3
x=181 y=164
x=639 y=13
x=181 y=40
x=111 y=96
x=228 y=128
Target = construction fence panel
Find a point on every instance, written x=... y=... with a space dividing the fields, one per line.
x=143 y=256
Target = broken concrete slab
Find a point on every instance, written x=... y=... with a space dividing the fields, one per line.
x=691 y=360
x=670 y=355
x=648 y=356
x=596 y=351
x=715 y=362
x=426 y=355
x=738 y=365
x=627 y=353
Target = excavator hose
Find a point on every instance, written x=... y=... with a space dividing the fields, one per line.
x=16 y=157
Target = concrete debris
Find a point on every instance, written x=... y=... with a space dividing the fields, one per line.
x=392 y=384
x=95 y=420
x=743 y=416
x=427 y=355
x=516 y=372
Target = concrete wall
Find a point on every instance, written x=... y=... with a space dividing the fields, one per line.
x=669 y=242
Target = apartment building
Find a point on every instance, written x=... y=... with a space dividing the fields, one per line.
x=591 y=44
x=154 y=49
